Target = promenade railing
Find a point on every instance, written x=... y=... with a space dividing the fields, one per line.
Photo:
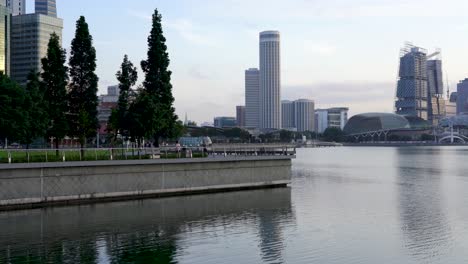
x=165 y=152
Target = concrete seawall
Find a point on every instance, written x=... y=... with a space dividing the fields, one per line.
x=38 y=185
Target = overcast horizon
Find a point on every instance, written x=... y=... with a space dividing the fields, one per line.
x=337 y=53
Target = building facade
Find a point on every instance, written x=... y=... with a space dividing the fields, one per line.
x=288 y=119
x=304 y=110
x=436 y=101
x=107 y=102
x=16 y=7
x=412 y=87
x=46 y=7
x=112 y=95
x=451 y=105
x=252 y=98
x=462 y=97
x=270 y=80
x=30 y=35
x=5 y=30
x=225 y=122
x=321 y=120
x=336 y=117
x=240 y=116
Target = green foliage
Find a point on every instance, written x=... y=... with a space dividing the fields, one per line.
x=333 y=134
x=12 y=98
x=427 y=137
x=83 y=100
x=156 y=111
x=54 y=84
x=179 y=129
x=36 y=118
x=137 y=115
x=286 y=136
x=127 y=77
x=237 y=133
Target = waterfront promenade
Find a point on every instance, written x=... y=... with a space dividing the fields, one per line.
x=29 y=185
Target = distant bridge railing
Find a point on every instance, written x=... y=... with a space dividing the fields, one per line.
x=165 y=152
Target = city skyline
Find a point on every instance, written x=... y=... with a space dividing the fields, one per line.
x=318 y=50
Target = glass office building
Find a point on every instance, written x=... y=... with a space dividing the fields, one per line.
x=30 y=35
x=5 y=20
x=46 y=7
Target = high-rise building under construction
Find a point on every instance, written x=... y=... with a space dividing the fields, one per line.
x=412 y=87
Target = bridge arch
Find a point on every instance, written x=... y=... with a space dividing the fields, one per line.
x=448 y=139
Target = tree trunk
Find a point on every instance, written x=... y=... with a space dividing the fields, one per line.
x=82 y=145
x=57 y=147
x=156 y=141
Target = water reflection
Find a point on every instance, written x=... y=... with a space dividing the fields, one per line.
x=421 y=203
x=148 y=231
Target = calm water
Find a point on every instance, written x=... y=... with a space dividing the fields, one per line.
x=346 y=205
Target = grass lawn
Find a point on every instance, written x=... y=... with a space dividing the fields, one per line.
x=31 y=156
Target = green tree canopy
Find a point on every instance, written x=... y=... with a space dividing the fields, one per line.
x=127 y=77
x=157 y=112
x=83 y=87
x=35 y=111
x=12 y=98
x=333 y=134
x=54 y=84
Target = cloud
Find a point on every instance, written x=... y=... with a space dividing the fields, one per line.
x=190 y=32
x=140 y=15
x=185 y=28
x=319 y=48
x=294 y=10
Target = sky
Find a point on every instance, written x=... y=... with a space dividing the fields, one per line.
x=335 y=52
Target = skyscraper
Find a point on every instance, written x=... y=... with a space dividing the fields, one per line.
x=16 y=7
x=240 y=115
x=435 y=85
x=288 y=115
x=270 y=80
x=5 y=29
x=304 y=115
x=30 y=35
x=412 y=90
x=252 y=98
x=46 y=7
x=462 y=97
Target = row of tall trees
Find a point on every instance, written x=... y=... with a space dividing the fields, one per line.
x=148 y=112
x=62 y=100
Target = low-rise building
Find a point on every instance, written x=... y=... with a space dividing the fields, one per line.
x=336 y=117
x=225 y=122
x=451 y=105
x=107 y=102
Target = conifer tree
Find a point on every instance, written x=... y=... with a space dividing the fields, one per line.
x=127 y=77
x=83 y=87
x=54 y=84
x=158 y=114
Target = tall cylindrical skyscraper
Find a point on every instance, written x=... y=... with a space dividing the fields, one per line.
x=270 y=80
